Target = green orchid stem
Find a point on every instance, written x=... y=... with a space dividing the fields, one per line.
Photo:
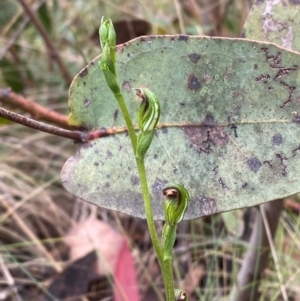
x=166 y=265
x=148 y=209
x=168 y=279
x=107 y=65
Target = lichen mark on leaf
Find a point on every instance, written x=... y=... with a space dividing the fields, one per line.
x=290 y=91
x=296 y=150
x=282 y=72
x=276 y=58
x=222 y=183
x=208 y=206
x=206 y=135
x=282 y=163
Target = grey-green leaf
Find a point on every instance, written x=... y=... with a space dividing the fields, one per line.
x=229 y=127
x=275 y=21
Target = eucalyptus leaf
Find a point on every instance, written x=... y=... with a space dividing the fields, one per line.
x=229 y=127
x=275 y=21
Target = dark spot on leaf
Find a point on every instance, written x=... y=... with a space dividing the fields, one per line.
x=87 y=102
x=96 y=164
x=107 y=185
x=296 y=150
x=116 y=114
x=282 y=163
x=134 y=180
x=297 y=119
x=175 y=170
x=255 y=67
x=155 y=156
x=84 y=83
x=268 y=163
x=157 y=187
x=284 y=71
x=234 y=128
x=215 y=170
x=204 y=137
x=83 y=72
x=221 y=182
x=208 y=206
x=291 y=91
x=164 y=130
x=184 y=38
x=254 y=164
x=163 y=163
x=109 y=154
x=270 y=88
x=263 y=78
x=208 y=120
x=194 y=57
x=244 y=185
x=126 y=85
x=193 y=82
x=277 y=139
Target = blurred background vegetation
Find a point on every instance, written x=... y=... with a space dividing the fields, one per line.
x=36 y=213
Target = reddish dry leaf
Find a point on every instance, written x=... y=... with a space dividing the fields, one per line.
x=126 y=286
x=114 y=255
x=91 y=235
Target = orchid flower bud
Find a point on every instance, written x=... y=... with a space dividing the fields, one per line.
x=148 y=116
x=149 y=110
x=176 y=203
x=108 y=37
x=109 y=71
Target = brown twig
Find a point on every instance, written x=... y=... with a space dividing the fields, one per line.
x=37 y=111
x=54 y=53
x=17 y=32
x=37 y=125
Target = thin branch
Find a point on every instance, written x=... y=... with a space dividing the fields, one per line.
x=274 y=254
x=16 y=33
x=256 y=258
x=54 y=53
x=37 y=125
x=9 y=279
x=37 y=111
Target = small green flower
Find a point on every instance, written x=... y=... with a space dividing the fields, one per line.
x=148 y=116
x=176 y=203
x=149 y=110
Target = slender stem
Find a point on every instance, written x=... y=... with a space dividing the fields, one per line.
x=148 y=210
x=168 y=279
x=166 y=267
x=128 y=120
x=37 y=125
